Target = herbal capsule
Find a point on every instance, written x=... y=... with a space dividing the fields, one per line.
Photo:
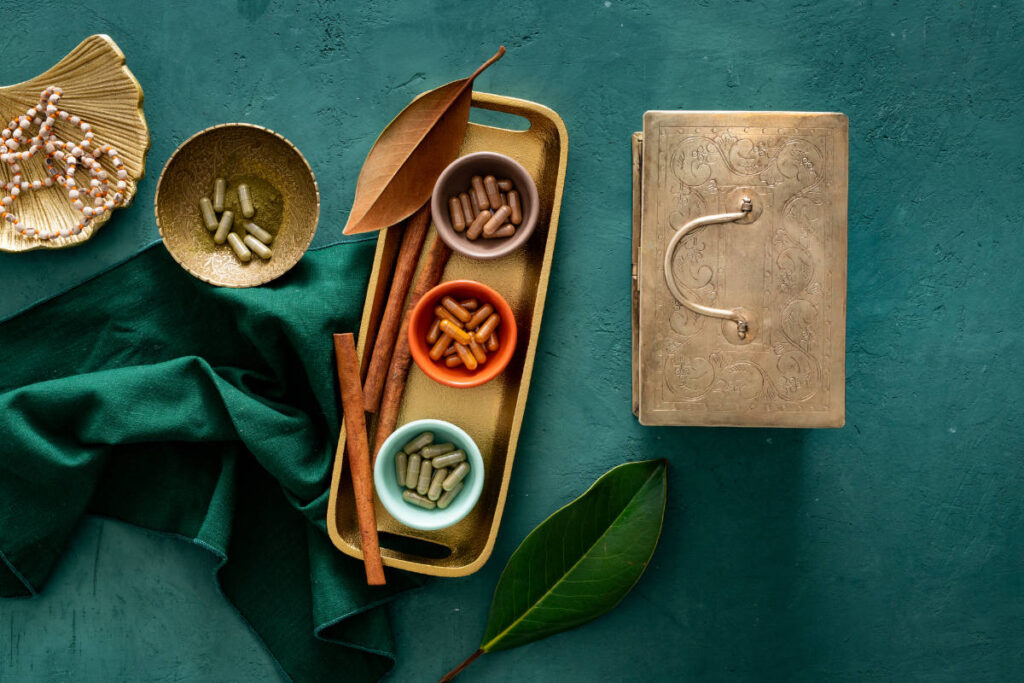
x=448 y=459
x=491 y=188
x=505 y=185
x=453 y=361
x=468 y=207
x=479 y=193
x=480 y=316
x=435 y=331
x=241 y=251
x=446 y=499
x=437 y=350
x=477 y=351
x=506 y=230
x=492 y=342
x=424 y=439
x=444 y=314
x=434 y=492
x=457 y=475
x=245 y=199
x=450 y=351
x=220 y=188
x=261 y=250
x=504 y=198
x=209 y=217
x=455 y=332
x=516 y=217
x=417 y=499
x=412 y=472
x=224 y=227
x=467 y=357
x=455 y=212
x=470 y=304
x=437 y=449
x=258 y=232
x=401 y=466
x=456 y=308
x=496 y=221
x=485 y=330
x=426 y=473
x=477 y=226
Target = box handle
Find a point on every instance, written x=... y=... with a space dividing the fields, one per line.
x=747 y=214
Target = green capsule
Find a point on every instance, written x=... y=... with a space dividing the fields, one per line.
x=434 y=492
x=209 y=217
x=417 y=499
x=449 y=496
x=401 y=466
x=220 y=188
x=457 y=475
x=426 y=472
x=412 y=474
x=245 y=200
x=437 y=449
x=224 y=227
x=424 y=439
x=258 y=232
x=449 y=459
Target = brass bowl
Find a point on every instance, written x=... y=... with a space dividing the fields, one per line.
x=283 y=189
x=98 y=87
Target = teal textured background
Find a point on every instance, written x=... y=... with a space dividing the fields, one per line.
x=888 y=550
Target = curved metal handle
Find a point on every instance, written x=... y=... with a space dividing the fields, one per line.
x=742 y=324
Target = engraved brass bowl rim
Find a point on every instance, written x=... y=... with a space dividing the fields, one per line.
x=459 y=377
x=221 y=276
x=453 y=179
x=389 y=492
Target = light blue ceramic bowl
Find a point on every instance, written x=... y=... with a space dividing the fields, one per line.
x=390 y=493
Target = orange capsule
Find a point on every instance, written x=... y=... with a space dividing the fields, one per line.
x=450 y=351
x=479 y=193
x=480 y=316
x=453 y=361
x=491 y=188
x=506 y=230
x=497 y=220
x=477 y=351
x=477 y=226
x=437 y=350
x=492 y=343
x=456 y=333
x=467 y=357
x=516 y=216
x=435 y=331
x=505 y=185
x=485 y=330
x=444 y=314
x=455 y=213
x=456 y=308
x=468 y=208
x=470 y=304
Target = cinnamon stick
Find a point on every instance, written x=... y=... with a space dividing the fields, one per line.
x=391 y=400
x=358 y=449
x=405 y=267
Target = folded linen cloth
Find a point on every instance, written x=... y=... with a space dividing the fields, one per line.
x=154 y=398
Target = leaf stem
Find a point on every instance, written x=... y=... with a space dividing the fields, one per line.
x=497 y=55
x=450 y=676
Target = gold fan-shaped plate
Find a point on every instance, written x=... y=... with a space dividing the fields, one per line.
x=100 y=89
x=283 y=189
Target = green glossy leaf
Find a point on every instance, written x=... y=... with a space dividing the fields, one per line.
x=581 y=561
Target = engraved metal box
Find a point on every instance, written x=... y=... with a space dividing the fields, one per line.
x=739 y=268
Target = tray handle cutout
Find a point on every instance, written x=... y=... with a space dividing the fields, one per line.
x=410 y=545
x=499 y=115
x=749 y=210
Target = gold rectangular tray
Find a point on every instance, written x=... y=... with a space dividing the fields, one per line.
x=492 y=414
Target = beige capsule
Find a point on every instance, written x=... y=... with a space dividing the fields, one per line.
x=506 y=230
x=220 y=188
x=479 y=193
x=448 y=459
x=258 y=232
x=224 y=227
x=496 y=221
x=434 y=450
x=241 y=251
x=455 y=213
x=456 y=476
x=477 y=226
x=493 y=195
x=401 y=466
x=258 y=248
x=434 y=492
x=448 y=496
x=426 y=473
x=418 y=500
x=516 y=215
x=412 y=474
x=209 y=217
x=245 y=201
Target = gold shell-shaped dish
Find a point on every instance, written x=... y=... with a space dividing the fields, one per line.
x=100 y=89
x=283 y=188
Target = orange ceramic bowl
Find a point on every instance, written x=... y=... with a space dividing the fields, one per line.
x=423 y=317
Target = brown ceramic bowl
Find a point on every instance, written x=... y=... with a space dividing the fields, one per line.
x=456 y=178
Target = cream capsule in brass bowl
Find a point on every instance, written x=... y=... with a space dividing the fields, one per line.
x=266 y=194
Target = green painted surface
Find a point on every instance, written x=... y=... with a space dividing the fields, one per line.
x=887 y=550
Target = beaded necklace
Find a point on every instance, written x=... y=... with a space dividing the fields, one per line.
x=84 y=155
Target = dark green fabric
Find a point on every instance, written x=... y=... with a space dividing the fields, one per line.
x=149 y=396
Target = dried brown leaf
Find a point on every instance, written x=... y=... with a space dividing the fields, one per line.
x=403 y=164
